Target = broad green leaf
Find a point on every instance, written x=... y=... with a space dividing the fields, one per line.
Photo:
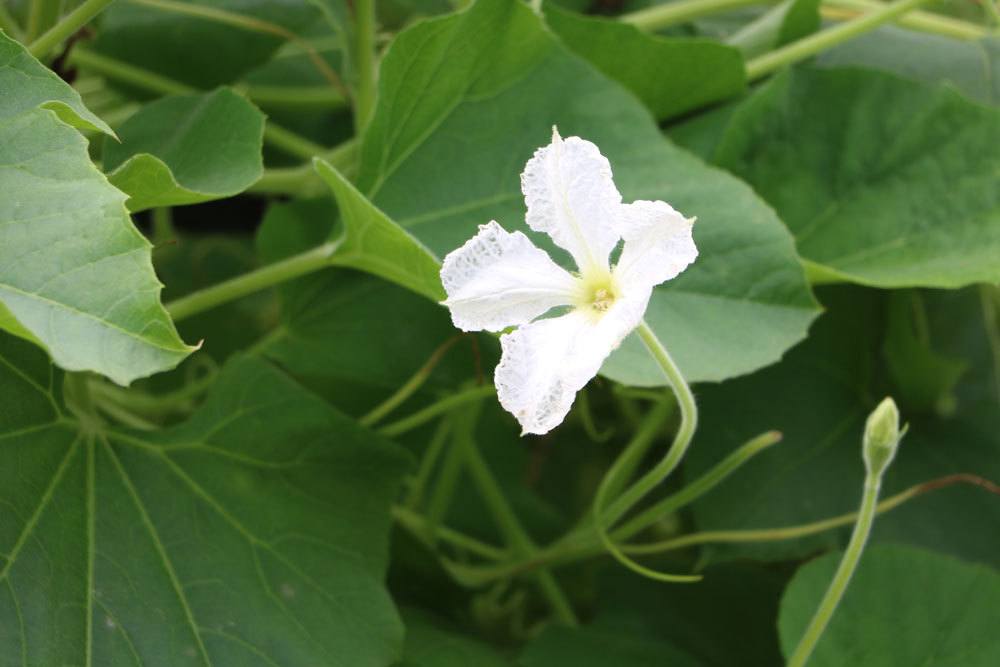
x=353 y=338
x=371 y=242
x=75 y=275
x=783 y=23
x=883 y=182
x=973 y=67
x=571 y=647
x=27 y=85
x=819 y=397
x=924 y=379
x=253 y=534
x=187 y=149
x=724 y=620
x=903 y=607
x=198 y=50
x=453 y=130
x=430 y=643
x=670 y=75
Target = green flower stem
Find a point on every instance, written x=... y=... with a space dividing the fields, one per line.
x=660 y=16
x=809 y=46
x=275 y=135
x=689 y=422
x=255 y=281
x=607 y=513
x=508 y=523
x=410 y=387
x=421 y=417
x=915 y=20
x=365 y=62
x=69 y=24
x=417 y=526
x=41 y=15
x=8 y=24
x=866 y=517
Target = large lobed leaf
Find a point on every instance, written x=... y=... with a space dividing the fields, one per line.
x=883 y=181
x=454 y=127
x=75 y=275
x=253 y=534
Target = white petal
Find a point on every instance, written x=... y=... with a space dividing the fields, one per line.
x=545 y=363
x=498 y=279
x=658 y=244
x=571 y=196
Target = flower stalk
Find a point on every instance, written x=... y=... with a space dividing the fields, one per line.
x=881 y=439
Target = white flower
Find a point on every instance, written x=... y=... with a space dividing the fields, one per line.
x=498 y=279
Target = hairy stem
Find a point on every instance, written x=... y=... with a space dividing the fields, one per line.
x=69 y=24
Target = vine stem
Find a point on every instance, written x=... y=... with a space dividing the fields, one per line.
x=672 y=13
x=275 y=135
x=515 y=534
x=254 y=281
x=365 y=61
x=41 y=15
x=409 y=387
x=446 y=404
x=62 y=30
x=606 y=515
x=849 y=562
x=769 y=63
x=8 y=24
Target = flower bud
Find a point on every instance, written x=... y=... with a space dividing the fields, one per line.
x=881 y=436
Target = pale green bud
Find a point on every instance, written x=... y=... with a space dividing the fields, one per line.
x=881 y=436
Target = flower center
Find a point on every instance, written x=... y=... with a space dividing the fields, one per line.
x=597 y=293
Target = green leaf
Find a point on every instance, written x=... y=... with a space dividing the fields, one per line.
x=973 y=67
x=783 y=23
x=724 y=620
x=882 y=181
x=351 y=337
x=28 y=85
x=187 y=149
x=904 y=607
x=75 y=275
x=819 y=397
x=371 y=242
x=430 y=643
x=253 y=534
x=571 y=647
x=924 y=378
x=670 y=75
x=452 y=105
x=196 y=50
